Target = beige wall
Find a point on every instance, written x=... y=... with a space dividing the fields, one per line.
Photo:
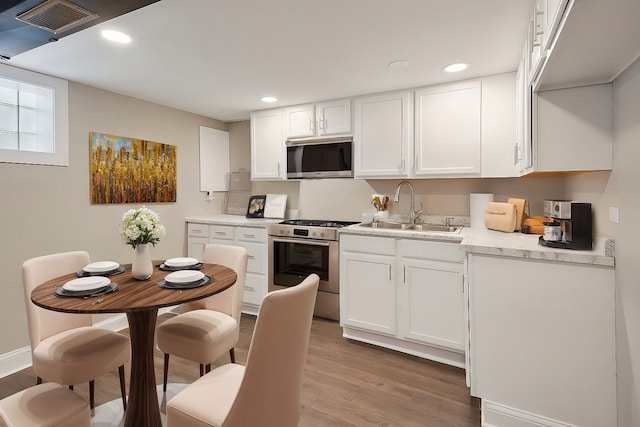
x=619 y=188
x=46 y=209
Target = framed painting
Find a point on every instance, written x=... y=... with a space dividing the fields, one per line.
x=255 y=209
x=129 y=170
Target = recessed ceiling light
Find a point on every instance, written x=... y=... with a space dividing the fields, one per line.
x=396 y=65
x=457 y=67
x=268 y=99
x=116 y=36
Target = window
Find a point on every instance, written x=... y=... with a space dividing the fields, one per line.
x=34 y=124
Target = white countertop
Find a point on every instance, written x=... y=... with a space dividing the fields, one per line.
x=222 y=219
x=490 y=242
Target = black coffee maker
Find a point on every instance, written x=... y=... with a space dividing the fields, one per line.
x=575 y=221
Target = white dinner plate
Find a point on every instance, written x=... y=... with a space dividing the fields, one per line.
x=184 y=276
x=101 y=266
x=180 y=262
x=86 y=283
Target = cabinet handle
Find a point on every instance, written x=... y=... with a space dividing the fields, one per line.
x=311 y=125
x=389 y=272
x=278 y=168
x=251 y=257
x=515 y=154
x=322 y=124
x=249 y=236
x=404 y=274
x=402 y=163
x=221 y=233
x=249 y=288
x=196 y=231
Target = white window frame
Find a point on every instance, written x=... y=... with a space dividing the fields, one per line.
x=60 y=154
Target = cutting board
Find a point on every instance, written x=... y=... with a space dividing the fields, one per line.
x=275 y=205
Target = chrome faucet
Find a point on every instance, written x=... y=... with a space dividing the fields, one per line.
x=414 y=214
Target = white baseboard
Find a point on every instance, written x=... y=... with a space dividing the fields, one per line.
x=497 y=415
x=20 y=358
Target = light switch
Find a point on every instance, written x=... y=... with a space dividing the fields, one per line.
x=614 y=214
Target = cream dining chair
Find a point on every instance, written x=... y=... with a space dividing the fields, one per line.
x=65 y=347
x=266 y=392
x=45 y=405
x=207 y=328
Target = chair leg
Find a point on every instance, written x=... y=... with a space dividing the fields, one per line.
x=91 y=394
x=201 y=369
x=232 y=353
x=38 y=380
x=123 y=390
x=207 y=368
x=70 y=387
x=165 y=372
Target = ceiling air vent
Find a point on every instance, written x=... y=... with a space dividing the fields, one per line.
x=57 y=16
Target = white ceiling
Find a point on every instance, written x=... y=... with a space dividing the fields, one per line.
x=218 y=57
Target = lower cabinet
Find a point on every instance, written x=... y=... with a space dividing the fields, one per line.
x=251 y=238
x=404 y=294
x=542 y=341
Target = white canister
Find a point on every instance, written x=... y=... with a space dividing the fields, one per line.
x=552 y=231
x=477 y=205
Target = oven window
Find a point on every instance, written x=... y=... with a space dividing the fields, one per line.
x=295 y=261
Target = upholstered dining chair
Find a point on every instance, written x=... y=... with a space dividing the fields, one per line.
x=65 y=347
x=266 y=392
x=207 y=328
x=45 y=405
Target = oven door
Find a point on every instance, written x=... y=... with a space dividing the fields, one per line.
x=291 y=260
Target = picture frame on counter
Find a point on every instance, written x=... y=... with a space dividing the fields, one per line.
x=255 y=208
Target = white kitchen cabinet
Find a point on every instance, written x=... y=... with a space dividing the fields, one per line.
x=267 y=146
x=383 y=135
x=553 y=12
x=447 y=130
x=432 y=294
x=254 y=239
x=403 y=294
x=535 y=37
x=318 y=120
x=522 y=154
x=573 y=129
x=498 y=126
x=542 y=341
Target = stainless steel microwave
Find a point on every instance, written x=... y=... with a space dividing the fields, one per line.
x=327 y=158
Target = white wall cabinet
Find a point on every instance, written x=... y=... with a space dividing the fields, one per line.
x=403 y=294
x=535 y=39
x=318 y=120
x=268 y=161
x=542 y=341
x=447 y=130
x=383 y=135
x=254 y=239
x=553 y=11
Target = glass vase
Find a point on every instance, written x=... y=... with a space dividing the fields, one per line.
x=142 y=268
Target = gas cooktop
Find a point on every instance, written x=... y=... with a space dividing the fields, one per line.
x=308 y=228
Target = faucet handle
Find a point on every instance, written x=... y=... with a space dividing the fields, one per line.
x=417 y=213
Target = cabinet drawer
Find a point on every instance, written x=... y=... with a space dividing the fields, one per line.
x=249 y=234
x=370 y=245
x=221 y=232
x=198 y=230
x=257 y=262
x=423 y=249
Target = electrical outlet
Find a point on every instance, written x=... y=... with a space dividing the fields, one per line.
x=614 y=214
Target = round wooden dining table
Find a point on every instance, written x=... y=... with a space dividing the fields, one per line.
x=140 y=300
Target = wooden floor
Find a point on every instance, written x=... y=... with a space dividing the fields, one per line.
x=346 y=383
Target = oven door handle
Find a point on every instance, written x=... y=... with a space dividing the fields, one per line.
x=301 y=241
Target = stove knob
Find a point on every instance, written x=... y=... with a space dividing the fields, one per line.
x=321 y=234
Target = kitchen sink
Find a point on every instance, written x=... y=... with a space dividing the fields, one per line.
x=415 y=227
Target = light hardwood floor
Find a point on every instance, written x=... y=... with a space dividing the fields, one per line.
x=346 y=383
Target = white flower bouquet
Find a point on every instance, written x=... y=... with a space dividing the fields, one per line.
x=140 y=226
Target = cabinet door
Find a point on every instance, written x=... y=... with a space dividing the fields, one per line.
x=299 y=121
x=333 y=117
x=554 y=9
x=432 y=299
x=382 y=135
x=255 y=288
x=267 y=146
x=447 y=139
x=196 y=246
x=368 y=292
x=498 y=126
x=535 y=38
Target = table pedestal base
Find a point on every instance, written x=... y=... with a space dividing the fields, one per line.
x=142 y=407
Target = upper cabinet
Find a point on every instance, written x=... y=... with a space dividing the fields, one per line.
x=383 y=135
x=447 y=130
x=267 y=146
x=318 y=120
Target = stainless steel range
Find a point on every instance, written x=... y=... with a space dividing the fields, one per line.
x=298 y=248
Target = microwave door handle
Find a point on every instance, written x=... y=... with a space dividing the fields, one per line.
x=302 y=241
